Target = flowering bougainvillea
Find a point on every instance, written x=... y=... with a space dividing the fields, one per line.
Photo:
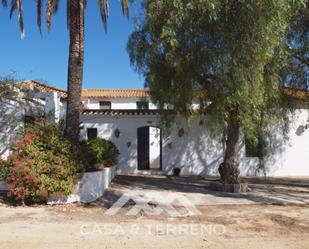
x=42 y=162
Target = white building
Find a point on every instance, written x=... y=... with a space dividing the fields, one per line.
x=132 y=123
x=18 y=105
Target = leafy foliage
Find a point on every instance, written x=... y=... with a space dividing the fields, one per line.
x=52 y=7
x=84 y=156
x=296 y=73
x=6 y=88
x=256 y=148
x=42 y=162
x=229 y=55
x=233 y=51
x=104 y=152
x=4 y=169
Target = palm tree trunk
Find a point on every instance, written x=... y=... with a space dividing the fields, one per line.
x=75 y=68
x=230 y=174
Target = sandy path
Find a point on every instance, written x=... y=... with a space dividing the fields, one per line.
x=224 y=226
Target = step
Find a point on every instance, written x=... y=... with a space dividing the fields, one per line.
x=143 y=173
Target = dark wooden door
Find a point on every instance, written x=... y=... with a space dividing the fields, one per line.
x=143 y=148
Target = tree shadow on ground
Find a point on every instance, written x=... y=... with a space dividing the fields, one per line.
x=263 y=191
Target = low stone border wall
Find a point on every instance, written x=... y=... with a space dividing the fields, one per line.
x=90 y=186
x=3 y=187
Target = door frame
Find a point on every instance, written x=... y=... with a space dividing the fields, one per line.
x=138 y=161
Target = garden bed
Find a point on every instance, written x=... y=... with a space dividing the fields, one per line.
x=89 y=187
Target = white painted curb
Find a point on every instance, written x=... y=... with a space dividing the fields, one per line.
x=90 y=187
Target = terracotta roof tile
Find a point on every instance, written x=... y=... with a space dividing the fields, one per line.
x=88 y=93
x=115 y=93
x=89 y=112
x=132 y=93
x=296 y=93
x=29 y=84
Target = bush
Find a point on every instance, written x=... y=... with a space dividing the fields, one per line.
x=4 y=169
x=42 y=163
x=105 y=152
x=85 y=156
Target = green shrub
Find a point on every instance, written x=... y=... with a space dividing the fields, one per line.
x=4 y=169
x=42 y=163
x=105 y=152
x=85 y=156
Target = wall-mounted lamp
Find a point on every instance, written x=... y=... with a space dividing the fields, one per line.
x=81 y=125
x=128 y=144
x=307 y=125
x=181 y=132
x=117 y=133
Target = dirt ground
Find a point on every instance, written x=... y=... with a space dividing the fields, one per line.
x=219 y=226
x=273 y=215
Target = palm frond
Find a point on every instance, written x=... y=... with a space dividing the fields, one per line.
x=13 y=7
x=104 y=12
x=56 y=5
x=4 y=3
x=20 y=18
x=125 y=7
x=17 y=5
x=49 y=13
x=39 y=8
x=52 y=7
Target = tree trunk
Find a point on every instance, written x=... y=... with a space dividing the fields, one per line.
x=230 y=171
x=75 y=69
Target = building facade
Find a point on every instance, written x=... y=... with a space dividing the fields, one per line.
x=132 y=122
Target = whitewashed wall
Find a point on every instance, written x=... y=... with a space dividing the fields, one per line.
x=199 y=151
x=196 y=152
x=294 y=154
x=12 y=115
x=154 y=147
x=11 y=119
x=286 y=157
x=90 y=186
x=116 y=103
x=63 y=109
x=127 y=125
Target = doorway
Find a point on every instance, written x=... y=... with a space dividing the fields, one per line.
x=149 y=148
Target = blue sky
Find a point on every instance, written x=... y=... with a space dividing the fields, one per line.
x=45 y=58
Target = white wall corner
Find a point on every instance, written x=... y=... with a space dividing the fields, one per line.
x=52 y=107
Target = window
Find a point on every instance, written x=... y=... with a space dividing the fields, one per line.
x=142 y=105
x=92 y=133
x=105 y=105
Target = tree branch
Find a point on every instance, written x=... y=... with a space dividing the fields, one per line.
x=302 y=59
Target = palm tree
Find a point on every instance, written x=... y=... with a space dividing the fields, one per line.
x=76 y=26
